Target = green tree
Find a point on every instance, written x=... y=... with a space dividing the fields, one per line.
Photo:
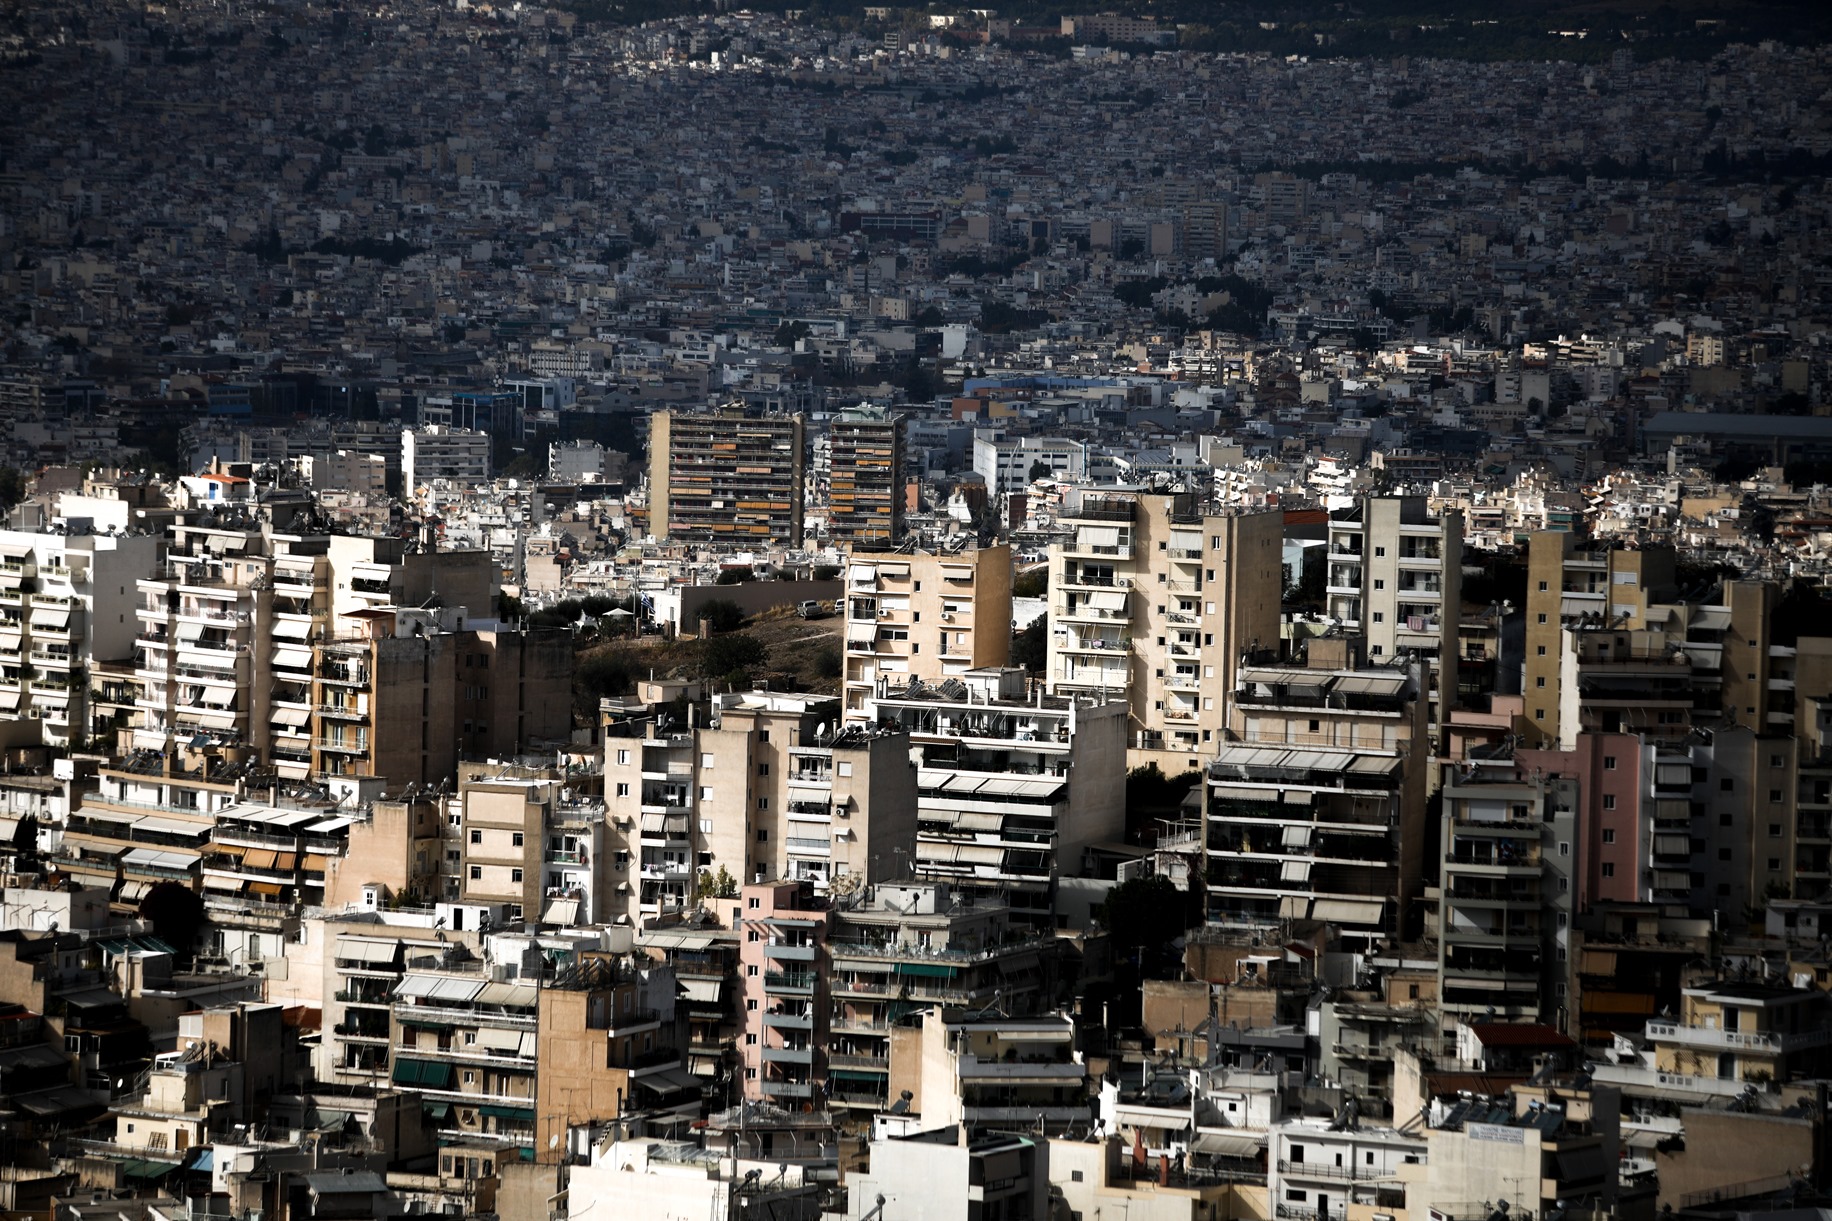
x=724 y=614
x=732 y=656
x=1032 y=584
x=1030 y=647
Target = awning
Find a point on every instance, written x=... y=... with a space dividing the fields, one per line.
x=560 y=911
x=497 y=1039
x=701 y=991
x=292 y=629
x=291 y=657
x=508 y=995
x=270 y=889
x=862 y=574
x=501 y=1112
x=1097 y=536
x=1370 y=684
x=314 y=863
x=1107 y=600
x=431 y=1074
x=1228 y=1144
x=259 y=858
x=668 y=1080
x=926 y=969
x=133 y=891
x=853 y=1074
x=291 y=716
x=1348 y=911
x=50 y=616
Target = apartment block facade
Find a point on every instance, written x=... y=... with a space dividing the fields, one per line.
x=924 y=616
x=726 y=476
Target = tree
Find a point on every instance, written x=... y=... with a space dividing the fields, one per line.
x=720 y=885
x=1040 y=470
x=1030 y=647
x=732 y=656
x=176 y=914
x=724 y=614
x=1032 y=584
x=1144 y=916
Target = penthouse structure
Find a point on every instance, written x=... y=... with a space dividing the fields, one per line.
x=1155 y=600
x=726 y=476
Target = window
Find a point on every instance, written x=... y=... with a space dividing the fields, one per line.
x=763 y=735
x=1774 y=760
x=706 y=826
x=706 y=792
x=623 y=790
x=1542 y=650
x=1723 y=854
x=1539 y=714
x=751 y=971
x=1539 y=682
x=1379 y=584
x=1542 y=619
x=753 y=936
x=750 y=1040
x=623 y=758
x=1774 y=863
x=705 y=760
x=476 y=873
x=1609 y=801
x=515 y=875
x=754 y=904
x=763 y=837
x=1609 y=870
x=763 y=805
x=1379 y=552
x=1542 y=587
x=1609 y=763
x=1609 y=835
x=1564 y=847
x=476 y=836
x=1316 y=726
x=1380 y=617
x=1074 y=1176
x=1727 y=785
x=843 y=769
x=1774 y=830
x=516 y=839
x=1774 y=796
x=750 y=1006
x=763 y=769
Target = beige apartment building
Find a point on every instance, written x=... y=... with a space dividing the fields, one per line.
x=759 y=782
x=1155 y=601
x=727 y=476
x=924 y=616
x=1396 y=579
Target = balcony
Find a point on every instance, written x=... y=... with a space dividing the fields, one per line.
x=804 y=846
x=788 y=1055
x=1761 y=1041
x=787 y=1089
x=798 y=984
x=785 y=952
x=788 y=1021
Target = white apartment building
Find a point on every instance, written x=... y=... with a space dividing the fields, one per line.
x=457 y=455
x=1005 y=462
x=66 y=601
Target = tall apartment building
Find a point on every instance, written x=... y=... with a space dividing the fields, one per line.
x=457 y=455
x=784 y=928
x=1506 y=894
x=405 y=694
x=1396 y=579
x=1316 y=807
x=1013 y=787
x=865 y=478
x=1571 y=584
x=526 y=842
x=773 y=784
x=66 y=602
x=924 y=616
x=1156 y=601
x=726 y=476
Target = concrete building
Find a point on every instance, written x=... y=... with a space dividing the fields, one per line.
x=460 y=456
x=1007 y=463
x=1013 y=787
x=1328 y=1170
x=726 y=476
x=67 y=601
x=937 y=1175
x=1316 y=809
x=1156 y=600
x=1396 y=579
x=865 y=478
x=925 y=617
x=784 y=991
x=987 y=1073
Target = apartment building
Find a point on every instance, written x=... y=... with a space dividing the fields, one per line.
x=988 y=1073
x=902 y=946
x=528 y=842
x=865 y=478
x=924 y=616
x=784 y=991
x=1506 y=894
x=1315 y=809
x=1013 y=786
x=1008 y=463
x=1571 y=584
x=773 y=784
x=406 y=693
x=362 y=957
x=1155 y=600
x=1324 y=1170
x=1396 y=579
x=726 y=476
x=459 y=456
x=66 y=602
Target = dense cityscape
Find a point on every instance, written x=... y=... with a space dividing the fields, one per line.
x=1210 y=613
